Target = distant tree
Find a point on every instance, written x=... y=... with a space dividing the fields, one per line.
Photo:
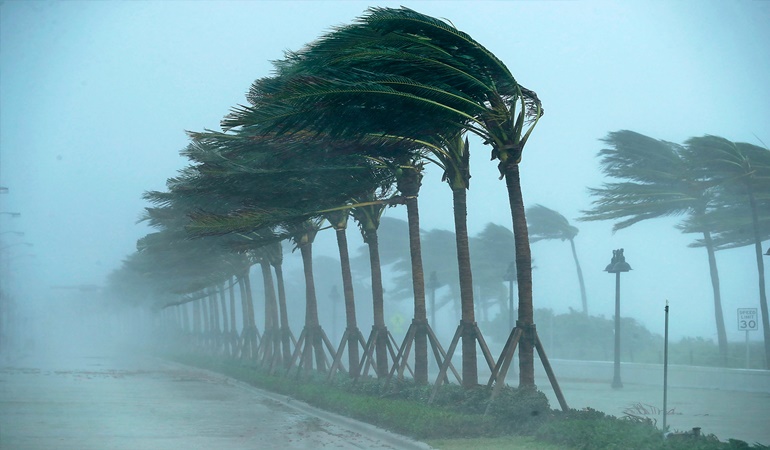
x=545 y=223
x=742 y=173
x=655 y=180
x=493 y=251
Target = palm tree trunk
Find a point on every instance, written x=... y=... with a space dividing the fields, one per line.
x=223 y=306
x=244 y=307
x=718 y=314
x=583 y=297
x=381 y=349
x=251 y=335
x=761 y=270
x=233 y=324
x=470 y=370
x=196 y=319
x=350 y=303
x=271 y=310
x=311 y=310
x=185 y=318
x=243 y=341
x=206 y=322
x=523 y=275
x=284 y=316
x=409 y=185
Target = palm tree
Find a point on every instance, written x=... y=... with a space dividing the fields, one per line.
x=492 y=258
x=545 y=223
x=352 y=336
x=655 y=180
x=368 y=219
x=742 y=171
x=400 y=74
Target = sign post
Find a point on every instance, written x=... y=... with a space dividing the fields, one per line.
x=747 y=321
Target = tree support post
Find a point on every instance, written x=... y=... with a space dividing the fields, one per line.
x=465 y=328
x=352 y=336
x=506 y=356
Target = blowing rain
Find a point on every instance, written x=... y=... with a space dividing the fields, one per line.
x=413 y=225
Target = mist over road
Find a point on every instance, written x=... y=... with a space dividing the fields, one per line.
x=102 y=402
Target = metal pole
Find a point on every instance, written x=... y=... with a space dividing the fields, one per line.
x=747 y=349
x=510 y=304
x=616 y=383
x=665 y=371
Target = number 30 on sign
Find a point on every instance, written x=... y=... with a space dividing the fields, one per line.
x=747 y=319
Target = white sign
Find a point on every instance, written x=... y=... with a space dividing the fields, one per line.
x=747 y=319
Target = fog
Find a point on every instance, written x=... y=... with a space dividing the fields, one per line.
x=95 y=99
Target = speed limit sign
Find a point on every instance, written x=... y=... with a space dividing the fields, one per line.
x=747 y=319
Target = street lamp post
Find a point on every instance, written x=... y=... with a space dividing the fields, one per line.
x=617 y=265
x=510 y=277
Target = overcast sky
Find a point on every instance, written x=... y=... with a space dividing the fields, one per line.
x=95 y=97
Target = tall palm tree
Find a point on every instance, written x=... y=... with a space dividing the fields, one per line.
x=400 y=73
x=742 y=172
x=352 y=336
x=655 y=180
x=545 y=223
x=368 y=219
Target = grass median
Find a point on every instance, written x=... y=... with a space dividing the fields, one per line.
x=459 y=418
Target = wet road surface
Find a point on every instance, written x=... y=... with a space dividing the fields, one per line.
x=144 y=403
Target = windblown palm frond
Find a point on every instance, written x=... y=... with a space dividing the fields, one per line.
x=545 y=223
x=656 y=181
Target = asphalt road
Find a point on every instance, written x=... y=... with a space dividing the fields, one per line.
x=102 y=402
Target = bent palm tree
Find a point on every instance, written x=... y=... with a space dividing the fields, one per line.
x=739 y=169
x=655 y=180
x=545 y=223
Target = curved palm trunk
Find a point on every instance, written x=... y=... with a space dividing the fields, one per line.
x=196 y=306
x=583 y=297
x=215 y=326
x=271 y=313
x=470 y=370
x=381 y=349
x=523 y=275
x=206 y=321
x=311 y=311
x=350 y=303
x=233 y=324
x=284 y=316
x=409 y=185
x=761 y=270
x=185 y=319
x=225 y=322
x=244 y=307
x=243 y=339
x=249 y=317
x=718 y=314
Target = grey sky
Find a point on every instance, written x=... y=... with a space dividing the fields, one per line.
x=95 y=98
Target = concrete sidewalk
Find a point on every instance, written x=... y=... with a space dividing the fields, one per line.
x=143 y=403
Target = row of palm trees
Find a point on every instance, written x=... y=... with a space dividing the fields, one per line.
x=343 y=129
